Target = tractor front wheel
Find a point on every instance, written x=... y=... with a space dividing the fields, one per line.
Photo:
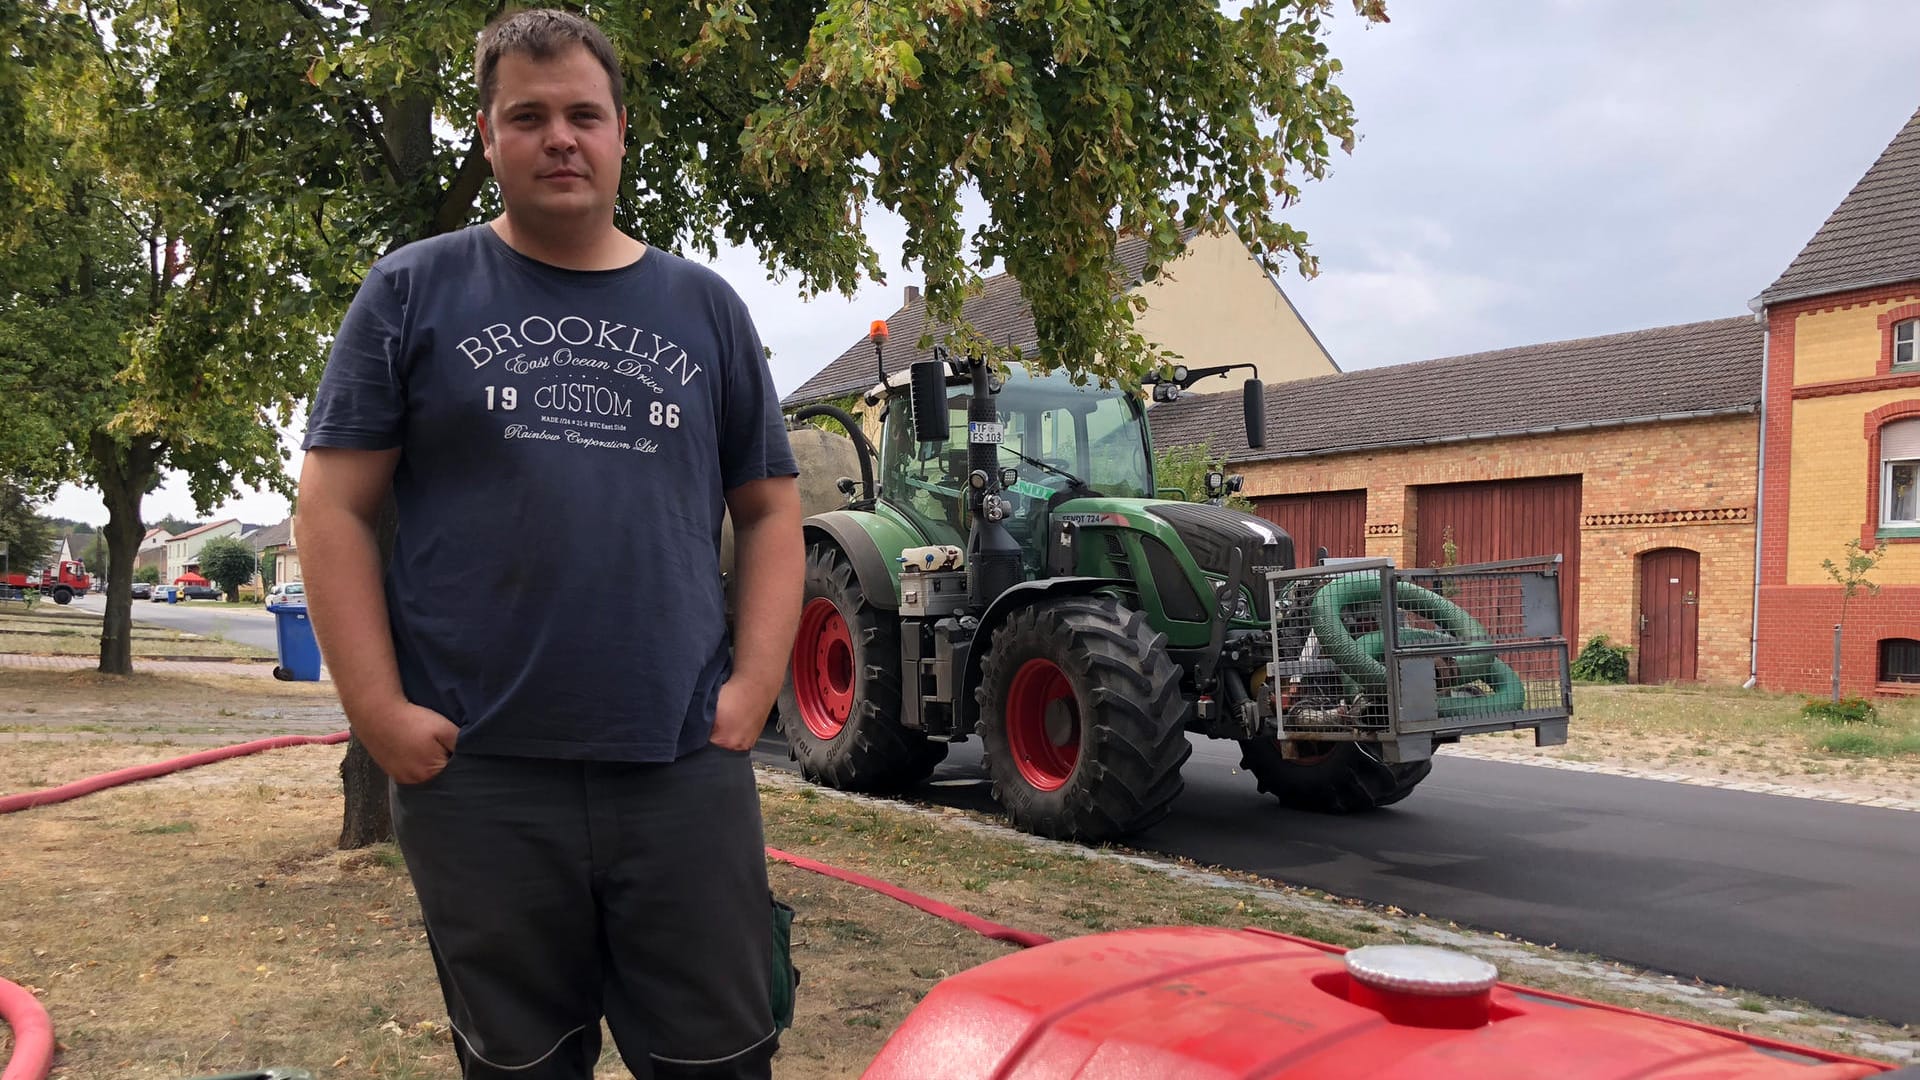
x=1344 y=778
x=1081 y=720
x=839 y=707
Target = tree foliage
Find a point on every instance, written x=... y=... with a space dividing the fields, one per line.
x=228 y=563
x=1077 y=122
x=1185 y=468
x=25 y=533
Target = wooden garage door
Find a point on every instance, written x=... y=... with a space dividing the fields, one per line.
x=1508 y=519
x=1336 y=520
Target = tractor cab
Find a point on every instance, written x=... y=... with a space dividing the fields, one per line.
x=1056 y=441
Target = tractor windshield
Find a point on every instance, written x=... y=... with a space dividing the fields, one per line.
x=1096 y=435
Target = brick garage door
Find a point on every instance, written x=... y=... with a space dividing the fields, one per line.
x=1506 y=519
x=1336 y=520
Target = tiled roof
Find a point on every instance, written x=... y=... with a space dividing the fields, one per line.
x=998 y=312
x=1670 y=371
x=1872 y=237
x=270 y=536
x=204 y=528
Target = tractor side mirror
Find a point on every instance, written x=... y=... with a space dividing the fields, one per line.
x=1254 y=402
x=930 y=401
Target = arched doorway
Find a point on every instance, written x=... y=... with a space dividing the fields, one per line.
x=1669 y=616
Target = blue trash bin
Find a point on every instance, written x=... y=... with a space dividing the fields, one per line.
x=299 y=651
x=173 y=593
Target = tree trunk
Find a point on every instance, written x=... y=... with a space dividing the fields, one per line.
x=124 y=475
x=367 y=819
x=407 y=131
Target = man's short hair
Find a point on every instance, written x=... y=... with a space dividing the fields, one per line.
x=541 y=33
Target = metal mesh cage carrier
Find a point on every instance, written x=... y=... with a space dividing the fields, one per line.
x=1365 y=651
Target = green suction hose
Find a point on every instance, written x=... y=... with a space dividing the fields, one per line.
x=1362 y=660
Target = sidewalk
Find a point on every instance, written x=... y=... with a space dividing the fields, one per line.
x=260 y=669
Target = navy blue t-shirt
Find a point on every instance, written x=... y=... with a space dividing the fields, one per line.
x=566 y=439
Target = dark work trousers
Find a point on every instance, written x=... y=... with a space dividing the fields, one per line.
x=556 y=892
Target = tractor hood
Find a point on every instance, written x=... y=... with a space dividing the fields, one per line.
x=1209 y=533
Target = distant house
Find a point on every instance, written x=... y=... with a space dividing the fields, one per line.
x=183 y=551
x=1212 y=305
x=153 y=551
x=1632 y=456
x=57 y=552
x=274 y=547
x=1842 y=459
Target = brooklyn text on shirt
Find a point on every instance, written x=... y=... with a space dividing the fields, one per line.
x=640 y=352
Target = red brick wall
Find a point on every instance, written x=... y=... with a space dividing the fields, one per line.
x=1796 y=635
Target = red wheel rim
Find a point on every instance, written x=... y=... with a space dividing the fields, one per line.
x=823 y=668
x=1043 y=724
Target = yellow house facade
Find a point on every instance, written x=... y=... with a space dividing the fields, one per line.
x=1842 y=441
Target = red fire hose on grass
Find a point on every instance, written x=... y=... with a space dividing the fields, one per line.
x=33 y=1029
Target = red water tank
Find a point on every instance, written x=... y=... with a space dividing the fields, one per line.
x=1207 y=1004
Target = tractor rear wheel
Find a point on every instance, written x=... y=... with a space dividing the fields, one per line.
x=1081 y=720
x=839 y=705
x=1346 y=778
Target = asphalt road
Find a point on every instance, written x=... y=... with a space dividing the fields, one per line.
x=246 y=625
x=1788 y=897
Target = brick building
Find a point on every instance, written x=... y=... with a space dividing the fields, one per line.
x=1842 y=438
x=1631 y=455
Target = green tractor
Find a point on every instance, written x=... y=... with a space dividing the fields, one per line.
x=1011 y=573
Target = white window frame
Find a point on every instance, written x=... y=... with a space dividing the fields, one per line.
x=1906 y=333
x=1887 y=520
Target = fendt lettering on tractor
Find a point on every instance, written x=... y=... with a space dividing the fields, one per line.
x=1010 y=573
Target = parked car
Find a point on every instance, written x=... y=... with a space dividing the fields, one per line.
x=199 y=592
x=143 y=590
x=287 y=592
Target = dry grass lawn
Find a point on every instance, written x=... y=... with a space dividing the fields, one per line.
x=203 y=922
x=50 y=630
x=1738 y=734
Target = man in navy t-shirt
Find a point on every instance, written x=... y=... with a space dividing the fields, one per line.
x=562 y=415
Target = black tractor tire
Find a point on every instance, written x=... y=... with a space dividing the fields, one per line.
x=63 y=596
x=840 y=705
x=1347 y=779
x=1081 y=720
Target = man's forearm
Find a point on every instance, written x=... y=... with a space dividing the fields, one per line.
x=340 y=560
x=769 y=561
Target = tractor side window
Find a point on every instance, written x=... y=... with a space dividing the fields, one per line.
x=925 y=480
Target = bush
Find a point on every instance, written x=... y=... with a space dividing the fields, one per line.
x=148 y=574
x=1601 y=662
x=1851 y=710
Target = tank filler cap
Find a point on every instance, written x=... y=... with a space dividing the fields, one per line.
x=1421 y=970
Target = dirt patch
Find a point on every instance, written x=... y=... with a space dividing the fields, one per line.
x=203 y=923
x=188 y=709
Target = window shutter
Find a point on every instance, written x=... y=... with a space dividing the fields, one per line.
x=1900 y=441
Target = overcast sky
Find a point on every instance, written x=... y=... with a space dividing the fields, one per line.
x=1528 y=171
